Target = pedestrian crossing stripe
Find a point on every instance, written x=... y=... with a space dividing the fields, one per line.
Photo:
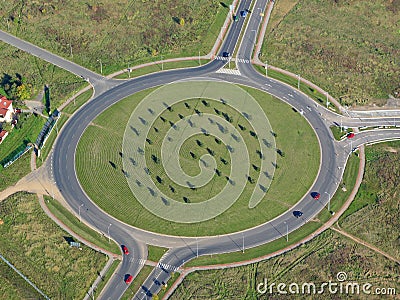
x=240 y=60
x=229 y=71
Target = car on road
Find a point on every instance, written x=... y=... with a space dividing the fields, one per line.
x=125 y=249
x=350 y=135
x=243 y=13
x=297 y=213
x=226 y=54
x=315 y=195
x=128 y=278
x=235 y=18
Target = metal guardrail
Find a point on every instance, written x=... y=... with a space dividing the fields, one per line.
x=47 y=128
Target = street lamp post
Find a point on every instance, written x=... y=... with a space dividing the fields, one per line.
x=108 y=231
x=266 y=69
x=199 y=59
x=298 y=81
x=327 y=99
x=287 y=231
x=162 y=63
x=101 y=66
x=255 y=35
x=329 y=201
x=70 y=49
x=80 y=219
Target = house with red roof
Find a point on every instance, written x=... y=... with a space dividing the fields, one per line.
x=6 y=109
x=3 y=135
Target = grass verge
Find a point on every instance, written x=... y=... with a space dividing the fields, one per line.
x=78 y=102
x=137 y=283
x=159 y=67
x=107 y=276
x=164 y=289
x=155 y=253
x=79 y=228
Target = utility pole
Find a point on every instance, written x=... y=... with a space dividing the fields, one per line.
x=108 y=230
x=101 y=66
x=329 y=201
x=80 y=219
x=287 y=231
x=298 y=81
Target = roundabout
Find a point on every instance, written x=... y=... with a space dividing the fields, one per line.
x=197 y=158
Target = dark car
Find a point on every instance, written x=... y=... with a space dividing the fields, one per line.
x=226 y=54
x=128 y=279
x=315 y=195
x=125 y=249
x=297 y=213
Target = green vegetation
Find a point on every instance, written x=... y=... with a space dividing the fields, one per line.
x=37 y=247
x=79 y=228
x=104 y=182
x=14 y=286
x=26 y=131
x=113 y=36
x=364 y=40
x=107 y=276
x=50 y=140
x=137 y=283
x=309 y=91
x=339 y=133
x=155 y=253
x=36 y=73
x=374 y=214
x=164 y=289
x=10 y=176
x=317 y=261
x=78 y=102
x=159 y=67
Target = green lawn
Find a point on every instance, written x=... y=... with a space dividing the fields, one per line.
x=348 y=48
x=295 y=173
x=155 y=253
x=37 y=247
x=78 y=102
x=24 y=133
x=10 y=176
x=72 y=222
x=159 y=67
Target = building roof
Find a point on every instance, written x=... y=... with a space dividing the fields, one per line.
x=4 y=103
x=3 y=133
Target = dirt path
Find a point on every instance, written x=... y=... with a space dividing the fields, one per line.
x=364 y=243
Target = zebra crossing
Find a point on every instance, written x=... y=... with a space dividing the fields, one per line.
x=240 y=60
x=167 y=267
x=229 y=71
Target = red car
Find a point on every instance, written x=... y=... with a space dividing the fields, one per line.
x=316 y=195
x=125 y=249
x=351 y=135
x=128 y=279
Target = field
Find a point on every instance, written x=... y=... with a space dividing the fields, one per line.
x=295 y=173
x=39 y=249
x=374 y=214
x=117 y=35
x=353 y=56
x=322 y=258
x=317 y=261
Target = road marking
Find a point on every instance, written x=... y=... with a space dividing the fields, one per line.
x=167 y=267
x=222 y=58
x=267 y=84
x=229 y=71
x=290 y=95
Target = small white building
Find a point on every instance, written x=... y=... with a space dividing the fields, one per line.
x=6 y=110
